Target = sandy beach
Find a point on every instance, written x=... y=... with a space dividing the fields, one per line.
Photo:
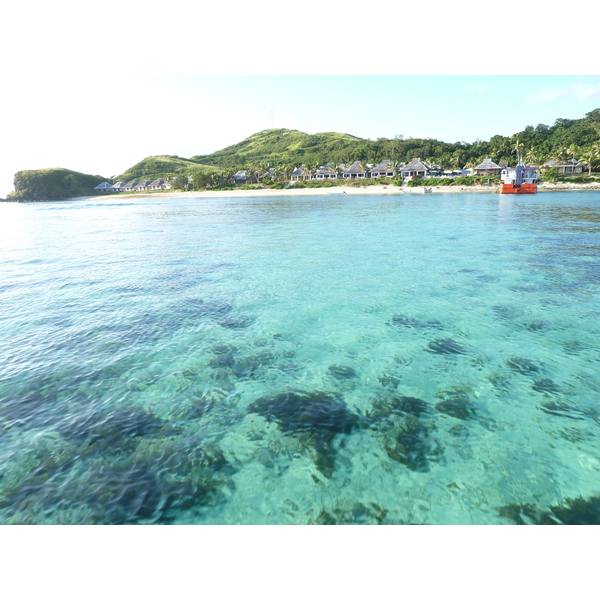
x=358 y=191
x=390 y=190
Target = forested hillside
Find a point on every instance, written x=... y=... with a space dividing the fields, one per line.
x=53 y=184
x=158 y=166
x=285 y=149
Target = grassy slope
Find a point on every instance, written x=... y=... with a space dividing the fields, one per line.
x=277 y=145
x=154 y=167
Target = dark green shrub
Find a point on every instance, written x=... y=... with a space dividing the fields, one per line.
x=550 y=175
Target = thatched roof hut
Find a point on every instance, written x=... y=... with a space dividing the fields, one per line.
x=354 y=171
x=487 y=167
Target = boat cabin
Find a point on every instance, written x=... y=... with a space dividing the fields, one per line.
x=519 y=175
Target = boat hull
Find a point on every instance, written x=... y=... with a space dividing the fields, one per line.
x=524 y=188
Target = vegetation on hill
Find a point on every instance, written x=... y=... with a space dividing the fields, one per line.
x=284 y=149
x=277 y=146
x=52 y=184
x=154 y=167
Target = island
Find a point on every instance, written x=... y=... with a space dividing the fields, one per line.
x=566 y=154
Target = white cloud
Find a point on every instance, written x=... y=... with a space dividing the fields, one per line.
x=579 y=91
x=586 y=91
x=547 y=95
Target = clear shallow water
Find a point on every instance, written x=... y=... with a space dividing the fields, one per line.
x=329 y=359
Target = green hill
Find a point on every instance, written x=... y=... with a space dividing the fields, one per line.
x=286 y=148
x=154 y=167
x=53 y=184
x=278 y=146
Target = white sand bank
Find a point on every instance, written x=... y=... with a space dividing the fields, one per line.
x=358 y=191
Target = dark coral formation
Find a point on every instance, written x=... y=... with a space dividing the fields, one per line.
x=359 y=514
x=237 y=321
x=33 y=409
x=400 y=320
x=314 y=412
x=546 y=386
x=249 y=367
x=110 y=429
x=411 y=445
x=342 y=372
x=147 y=485
x=536 y=325
x=456 y=402
x=577 y=511
x=389 y=381
x=316 y=416
x=560 y=408
x=399 y=405
x=406 y=435
x=524 y=366
x=459 y=409
x=222 y=361
x=505 y=313
x=446 y=346
x=223 y=349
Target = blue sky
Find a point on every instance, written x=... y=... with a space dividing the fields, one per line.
x=76 y=124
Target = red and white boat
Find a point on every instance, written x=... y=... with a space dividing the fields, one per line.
x=519 y=180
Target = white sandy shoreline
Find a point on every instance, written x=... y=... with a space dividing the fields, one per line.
x=359 y=191
x=391 y=190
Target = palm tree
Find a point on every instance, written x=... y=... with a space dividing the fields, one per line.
x=560 y=153
x=531 y=156
x=517 y=148
x=250 y=170
x=307 y=170
x=288 y=169
x=590 y=155
x=573 y=150
x=263 y=169
x=226 y=175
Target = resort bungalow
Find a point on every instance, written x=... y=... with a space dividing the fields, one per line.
x=242 y=177
x=354 y=171
x=325 y=173
x=571 y=166
x=307 y=173
x=415 y=168
x=159 y=184
x=142 y=186
x=104 y=187
x=487 y=167
x=296 y=174
x=383 y=169
x=129 y=187
x=118 y=187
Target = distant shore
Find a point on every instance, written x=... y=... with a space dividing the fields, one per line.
x=341 y=190
x=362 y=191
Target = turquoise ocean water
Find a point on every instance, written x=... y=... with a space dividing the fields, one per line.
x=328 y=359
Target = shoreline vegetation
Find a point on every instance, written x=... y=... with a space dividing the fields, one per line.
x=322 y=191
